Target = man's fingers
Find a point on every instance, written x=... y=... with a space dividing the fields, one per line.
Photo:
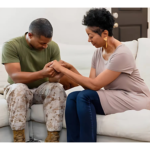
x=49 y=64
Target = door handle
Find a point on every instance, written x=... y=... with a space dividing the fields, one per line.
x=115 y=25
x=115 y=15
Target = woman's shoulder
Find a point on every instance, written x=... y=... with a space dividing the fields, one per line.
x=122 y=53
x=123 y=49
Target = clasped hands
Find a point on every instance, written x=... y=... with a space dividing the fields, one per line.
x=52 y=70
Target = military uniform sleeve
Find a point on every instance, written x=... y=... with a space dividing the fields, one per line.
x=9 y=54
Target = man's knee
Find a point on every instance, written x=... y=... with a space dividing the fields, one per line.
x=17 y=89
x=20 y=88
x=57 y=87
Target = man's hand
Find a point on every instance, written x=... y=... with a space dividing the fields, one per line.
x=56 y=65
x=47 y=71
x=56 y=78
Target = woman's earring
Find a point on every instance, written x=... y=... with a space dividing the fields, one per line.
x=105 y=39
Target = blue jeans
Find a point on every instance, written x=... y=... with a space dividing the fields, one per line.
x=80 y=115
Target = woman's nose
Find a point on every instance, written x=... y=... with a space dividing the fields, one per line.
x=89 y=40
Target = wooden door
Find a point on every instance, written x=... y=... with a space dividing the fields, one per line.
x=130 y=23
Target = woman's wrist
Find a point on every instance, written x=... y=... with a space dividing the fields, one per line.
x=69 y=66
x=61 y=69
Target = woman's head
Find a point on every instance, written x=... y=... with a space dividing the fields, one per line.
x=99 y=22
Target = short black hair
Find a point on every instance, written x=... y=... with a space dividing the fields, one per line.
x=41 y=27
x=99 y=17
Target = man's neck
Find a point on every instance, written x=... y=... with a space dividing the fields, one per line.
x=27 y=40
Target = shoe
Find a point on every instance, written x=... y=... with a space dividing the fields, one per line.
x=53 y=136
x=19 y=135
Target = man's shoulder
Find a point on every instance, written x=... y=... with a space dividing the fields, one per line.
x=52 y=44
x=14 y=41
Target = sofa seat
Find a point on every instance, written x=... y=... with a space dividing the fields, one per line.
x=4 y=113
x=130 y=124
x=5 y=130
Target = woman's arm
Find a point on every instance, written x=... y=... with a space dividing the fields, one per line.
x=103 y=79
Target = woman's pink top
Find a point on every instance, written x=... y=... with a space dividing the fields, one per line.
x=128 y=91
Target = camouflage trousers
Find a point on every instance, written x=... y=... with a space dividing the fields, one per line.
x=19 y=98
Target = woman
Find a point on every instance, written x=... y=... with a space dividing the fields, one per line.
x=113 y=67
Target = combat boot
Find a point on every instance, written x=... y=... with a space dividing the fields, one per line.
x=52 y=136
x=19 y=135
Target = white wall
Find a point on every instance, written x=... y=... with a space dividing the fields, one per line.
x=67 y=23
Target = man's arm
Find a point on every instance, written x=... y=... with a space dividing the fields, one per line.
x=14 y=71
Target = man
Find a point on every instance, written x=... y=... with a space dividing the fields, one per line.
x=32 y=80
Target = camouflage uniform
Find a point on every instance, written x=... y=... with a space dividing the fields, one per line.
x=19 y=98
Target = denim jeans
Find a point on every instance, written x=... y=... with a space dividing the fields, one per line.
x=80 y=115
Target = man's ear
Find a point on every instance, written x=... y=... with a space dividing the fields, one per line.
x=30 y=35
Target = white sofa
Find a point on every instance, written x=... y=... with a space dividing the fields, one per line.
x=128 y=126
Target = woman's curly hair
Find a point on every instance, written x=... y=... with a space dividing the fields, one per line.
x=99 y=17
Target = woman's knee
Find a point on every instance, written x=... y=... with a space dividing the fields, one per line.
x=84 y=95
x=73 y=95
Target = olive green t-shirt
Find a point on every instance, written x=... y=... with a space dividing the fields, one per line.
x=30 y=59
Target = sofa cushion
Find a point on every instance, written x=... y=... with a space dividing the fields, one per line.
x=4 y=113
x=143 y=59
x=37 y=113
x=133 y=46
x=3 y=73
x=129 y=124
x=79 y=56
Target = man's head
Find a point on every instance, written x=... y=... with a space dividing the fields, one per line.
x=40 y=33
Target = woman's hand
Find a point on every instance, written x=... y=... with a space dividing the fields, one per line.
x=65 y=64
x=56 y=65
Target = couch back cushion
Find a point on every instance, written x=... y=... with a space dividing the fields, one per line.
x=3 y=74
x=80 y=56
x=133 y=46
x=143 y=59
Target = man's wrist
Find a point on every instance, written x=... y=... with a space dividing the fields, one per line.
x=41 y=75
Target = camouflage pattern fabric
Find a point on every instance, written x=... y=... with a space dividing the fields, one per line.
x=19 y=98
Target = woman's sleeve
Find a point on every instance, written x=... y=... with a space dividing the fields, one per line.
x=122 y=62
x=93 y=63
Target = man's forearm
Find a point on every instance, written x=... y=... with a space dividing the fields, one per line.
x=26 y=77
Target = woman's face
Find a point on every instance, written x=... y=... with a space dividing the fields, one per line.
x=95 y=38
